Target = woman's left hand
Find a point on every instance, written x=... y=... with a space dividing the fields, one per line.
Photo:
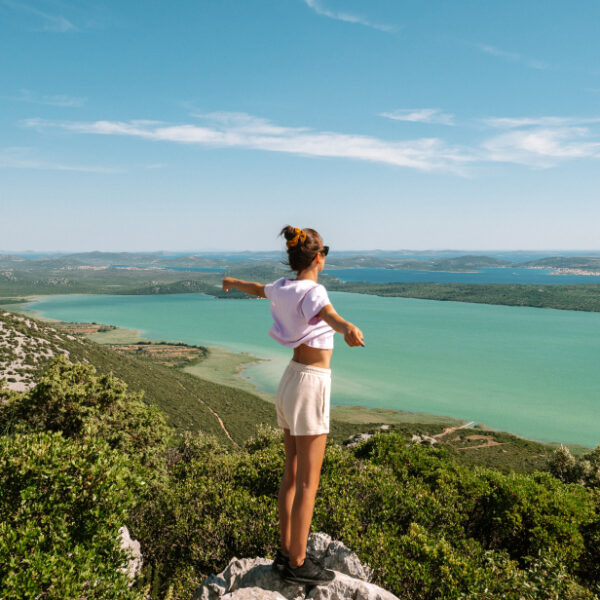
x=353 y=336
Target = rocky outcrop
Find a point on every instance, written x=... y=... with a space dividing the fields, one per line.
x=253 y=578
x=358 y=438
x=423 y=439
x=132 y=547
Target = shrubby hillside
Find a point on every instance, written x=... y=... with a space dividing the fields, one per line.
x=81 y=455
x=188 y=403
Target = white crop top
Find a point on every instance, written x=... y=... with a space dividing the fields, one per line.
x=295 y=305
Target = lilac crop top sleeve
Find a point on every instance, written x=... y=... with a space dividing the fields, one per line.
x=268 y=288
x=312 y=304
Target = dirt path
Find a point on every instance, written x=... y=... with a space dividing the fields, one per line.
x=216 y=416
x=488 y=445
x=451 y=429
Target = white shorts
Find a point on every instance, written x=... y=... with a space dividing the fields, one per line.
x=302 y=401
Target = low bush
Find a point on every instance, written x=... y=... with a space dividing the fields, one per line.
x=72 y=399
x=61 y=505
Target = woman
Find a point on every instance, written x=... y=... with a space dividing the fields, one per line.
x=304 y=320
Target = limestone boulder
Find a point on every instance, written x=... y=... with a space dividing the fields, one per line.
x=253 y=578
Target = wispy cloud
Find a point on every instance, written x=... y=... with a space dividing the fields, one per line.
x=512 y=122
x=542 y=141
x=533 y=63
x=538 y=142
x=347 y=17
x=420 y=115
x=541 y=147
x=47 y=22
x=21 y=158
x=239 y=130
x=49 y=100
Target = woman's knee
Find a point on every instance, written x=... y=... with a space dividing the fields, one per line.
x=289 y=478
x=307 y=485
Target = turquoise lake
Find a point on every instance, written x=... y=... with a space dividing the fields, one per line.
x=533 y=372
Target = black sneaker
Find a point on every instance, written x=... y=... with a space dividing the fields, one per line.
x=308 y=572
x=281 y=560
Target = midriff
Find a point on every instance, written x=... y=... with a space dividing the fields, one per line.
x=316 y=357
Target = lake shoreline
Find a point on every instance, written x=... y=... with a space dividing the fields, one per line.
x=226 y=367
x=231 y=372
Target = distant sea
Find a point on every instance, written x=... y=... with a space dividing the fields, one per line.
x=483 y=275
x=530 y=371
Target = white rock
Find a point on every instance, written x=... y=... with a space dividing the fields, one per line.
x=253 y=593
x=344 y=587
x=249 y=579
x=358 y=438
x=134 y=566
x=336 y=556
x=431 y=440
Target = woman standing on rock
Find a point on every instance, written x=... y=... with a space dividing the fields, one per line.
x=304 y=320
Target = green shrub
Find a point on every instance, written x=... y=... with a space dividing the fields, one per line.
x=61 y=505
x=521 y=514
x=70 y=398
x=410 y=513
x=204 y=517
x=526 y=514
x=583 y=469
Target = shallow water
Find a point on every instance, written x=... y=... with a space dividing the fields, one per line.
x=529 y=371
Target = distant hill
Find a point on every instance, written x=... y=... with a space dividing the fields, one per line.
x=585 y=263
x=426 y=263
x=239 y=262
x=458 y=264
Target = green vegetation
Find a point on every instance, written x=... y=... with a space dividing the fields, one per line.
x=188 y=402
x=586 y=263
x=88 y=457
x=91 y=274
x=76 y=454
x=456 y=264
x=82 y=454
x=61 y=504
x=429 y=527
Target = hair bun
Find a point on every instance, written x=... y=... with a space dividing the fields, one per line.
x=293 y=235
x=288 y=232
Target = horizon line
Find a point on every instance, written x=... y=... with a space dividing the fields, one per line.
x=230 y=251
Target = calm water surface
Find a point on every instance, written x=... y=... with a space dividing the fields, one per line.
x=525 y=370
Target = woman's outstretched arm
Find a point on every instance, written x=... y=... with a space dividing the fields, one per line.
x=353 y=336
x=248 y=287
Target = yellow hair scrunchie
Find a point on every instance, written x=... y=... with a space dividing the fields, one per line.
x=300 y=235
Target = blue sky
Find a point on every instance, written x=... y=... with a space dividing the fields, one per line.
x=210 y=124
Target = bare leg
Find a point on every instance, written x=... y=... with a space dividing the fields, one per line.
x=310 y=450
x=287 y=490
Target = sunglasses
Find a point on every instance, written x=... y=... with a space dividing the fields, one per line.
x=325 y=250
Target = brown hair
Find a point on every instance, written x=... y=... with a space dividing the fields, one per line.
x=305 y=248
